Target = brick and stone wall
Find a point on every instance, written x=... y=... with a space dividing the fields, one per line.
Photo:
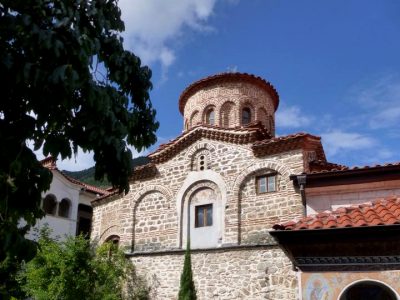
x=232 y=273
x=155 y=206
x=151 y=219
x=228 y=100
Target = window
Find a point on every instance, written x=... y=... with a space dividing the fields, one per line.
x=202 y=163
x=201 y=160
x=203 y=215
x=210 y=117
x=246 y=116
x=63 y=208
x=113 y=242
x=266 y=183
x=49 y=204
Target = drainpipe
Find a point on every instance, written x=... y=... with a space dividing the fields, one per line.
x=301 y=181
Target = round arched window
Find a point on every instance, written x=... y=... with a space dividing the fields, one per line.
x=210 y=117
x=370 y=290
x=246 y=116
x=64 y=207
x=50 y=204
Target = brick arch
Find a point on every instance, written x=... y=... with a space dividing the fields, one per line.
x=110 y=231
x=282 y=169
x=139 y=196
x=205 y=112
x=191 y=153
x=234 y=198
x=193 y=182
x=227 y=114
x=262 y=116
x=246 y=103
x=190 y=191
x=194 y=119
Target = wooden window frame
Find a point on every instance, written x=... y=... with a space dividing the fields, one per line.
x=205 y=208
x=267 y=176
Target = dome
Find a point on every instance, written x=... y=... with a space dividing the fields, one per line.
x=229 y=100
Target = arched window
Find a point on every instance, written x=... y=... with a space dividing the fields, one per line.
x=201 y=160
x=246 y=116
x=64 y=208
x=50 y=204
x=210 y=117
x=370 y=290
x=113 y=240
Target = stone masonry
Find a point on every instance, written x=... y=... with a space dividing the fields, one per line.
x=151 y=221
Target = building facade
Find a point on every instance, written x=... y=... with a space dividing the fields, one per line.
x=67 y=205
x=222 y=184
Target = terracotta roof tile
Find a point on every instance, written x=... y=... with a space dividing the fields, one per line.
x=295 y=141
x=50 y=163
x=240 y=135
x=317 y=167
x=380 y=212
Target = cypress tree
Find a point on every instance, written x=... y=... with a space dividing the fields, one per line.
x=187 y=290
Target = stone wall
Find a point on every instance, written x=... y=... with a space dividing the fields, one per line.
x=153 y=210
x=241 y=273
x=151 y=218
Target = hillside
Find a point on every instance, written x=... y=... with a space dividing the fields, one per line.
x=87 y=175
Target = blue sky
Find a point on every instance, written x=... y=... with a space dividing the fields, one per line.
x=335 y=65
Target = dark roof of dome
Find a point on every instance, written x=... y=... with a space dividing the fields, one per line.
x=227 y=77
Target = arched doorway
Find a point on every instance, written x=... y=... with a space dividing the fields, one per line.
x=371 y=290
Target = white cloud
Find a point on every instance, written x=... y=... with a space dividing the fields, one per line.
x=153 y=26
x=382 y=100
x=83 y=160
x=291 y=117
x=338 y=141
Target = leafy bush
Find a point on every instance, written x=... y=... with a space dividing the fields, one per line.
x=74 y=269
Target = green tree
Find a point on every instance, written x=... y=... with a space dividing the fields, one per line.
x=73 y=269
x=53 y=95
x=187 y=290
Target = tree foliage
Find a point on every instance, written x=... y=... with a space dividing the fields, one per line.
x=187 y=290
x=73 y=269
x=67 y=82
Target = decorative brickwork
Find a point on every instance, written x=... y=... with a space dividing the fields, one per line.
x=228 y=99
x=214 y=166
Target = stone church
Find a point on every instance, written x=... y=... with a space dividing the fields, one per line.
x=254 y=207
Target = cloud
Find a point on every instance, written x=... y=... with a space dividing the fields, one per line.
x=381 y=97
x=81 y=161
x=336 y=142
x=291 y=117
x=154 y=28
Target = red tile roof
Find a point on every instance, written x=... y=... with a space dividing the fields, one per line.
x=50 y=163
x=318 y=167
x=227 y=77
x=240 y=135
x=299 y=140
x=378 y=213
